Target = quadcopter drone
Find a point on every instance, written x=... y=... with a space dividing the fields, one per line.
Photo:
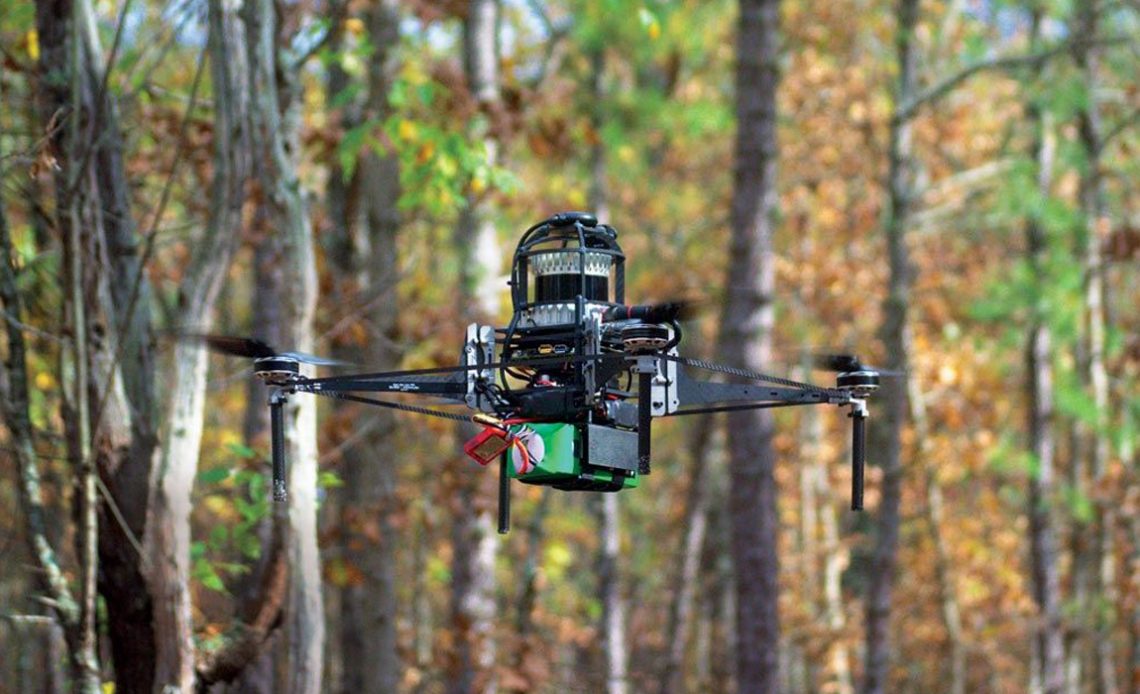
x=567 y=392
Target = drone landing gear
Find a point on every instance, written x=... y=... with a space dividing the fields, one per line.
x=504 y=496
x=277 y=400
x=858 y=452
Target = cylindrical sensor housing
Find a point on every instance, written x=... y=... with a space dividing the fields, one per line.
x=558 y=276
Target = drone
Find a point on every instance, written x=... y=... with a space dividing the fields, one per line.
x=566 y=393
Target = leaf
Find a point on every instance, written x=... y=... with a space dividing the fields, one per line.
x=329 y=479
x=213 y=475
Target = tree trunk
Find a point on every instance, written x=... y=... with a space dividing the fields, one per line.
x=895 y=338
x=474 y=543
x=92 y=199
x=15 y=408
x=1049 y=636
x=167 y=538
x=746 y=337
x=943 y=565
x=1097 y=227
x=614 y=645
x=366 y=257
x=607 y=511
x=275 y=111
x=687 y=565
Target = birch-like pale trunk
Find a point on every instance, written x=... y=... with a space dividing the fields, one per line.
x=695 y=523
x=1097 y=226
x=943 y=566
x=607 y=510
x=1048 y=638
x=745 y=340
x=888 y=443
x=167 y=539
x=474 y=541
x=15 y=408
x=275 y=109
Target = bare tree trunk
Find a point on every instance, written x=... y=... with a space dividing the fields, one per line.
x=1048 y=636
x=366 y=258
x=746 y=328
x=474 y=542
x=615 y=648
x=826 y=591
x=275 y=110
x=115 y=388
x=688 y=560
x=15 y=408
x=943 y=571
x=895 y=337
x=614 y=645
x=167 y=538
x=1097 y=228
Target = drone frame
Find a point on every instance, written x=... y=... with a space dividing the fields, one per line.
x=665 y=390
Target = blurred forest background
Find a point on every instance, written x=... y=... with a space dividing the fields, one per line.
x=945 y=187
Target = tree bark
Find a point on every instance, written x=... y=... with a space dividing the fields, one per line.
x=1097 y=226
x=1049 y=636
x=92 y=199
x=607 y=511
x=167 y=538
x=688 y=561
x=895 y=339
x=943 y=565
x=745 y=337
x=366 y=257
x=275 y=112
x=474 y=543
x=15 y=409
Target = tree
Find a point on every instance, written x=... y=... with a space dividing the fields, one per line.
x=167 y=537
x=745 y=338
x=275 y=103
x=895 y=330
x=1039 y=386
x=474 y=543
x=365 y=218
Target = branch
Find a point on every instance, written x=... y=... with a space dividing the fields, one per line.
x=1119 y=128
x=1007 y=62
x=149 y=239
x=248 y=636
x=15 y=410
x=337 y=15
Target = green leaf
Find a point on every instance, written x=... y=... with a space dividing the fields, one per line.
x=213 y=475
x=329 y=479
x=218 y=535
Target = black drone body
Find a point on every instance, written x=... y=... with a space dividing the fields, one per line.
x=567 y=391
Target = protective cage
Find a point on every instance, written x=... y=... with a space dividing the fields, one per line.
x=565 y=267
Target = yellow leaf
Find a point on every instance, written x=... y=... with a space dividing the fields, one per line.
x=34 y=52
x=354 y=26
x=407 y=130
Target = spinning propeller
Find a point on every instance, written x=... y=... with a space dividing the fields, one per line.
x=253 y=348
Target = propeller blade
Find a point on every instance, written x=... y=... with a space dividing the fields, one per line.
x=252 y=348
x=680 y=309
x=837 y=362
x=844 y=363
x=248 y=347
x=314 y=359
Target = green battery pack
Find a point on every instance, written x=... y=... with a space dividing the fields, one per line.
x=584 y=457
